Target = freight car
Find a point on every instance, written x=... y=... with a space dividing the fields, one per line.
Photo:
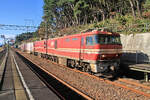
x=95 y=51
x=27 y=47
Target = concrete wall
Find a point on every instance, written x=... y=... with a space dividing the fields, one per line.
x=136 y=48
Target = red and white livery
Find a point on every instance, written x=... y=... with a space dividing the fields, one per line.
x=95 y=51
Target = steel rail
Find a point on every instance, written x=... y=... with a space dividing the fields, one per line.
x=117 y=84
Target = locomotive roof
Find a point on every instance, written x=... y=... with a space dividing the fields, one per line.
x=90 y=32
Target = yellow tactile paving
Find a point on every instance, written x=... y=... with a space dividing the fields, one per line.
x=19 y=90
x=20 y=95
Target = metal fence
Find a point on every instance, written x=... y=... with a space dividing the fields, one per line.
x=135 y=56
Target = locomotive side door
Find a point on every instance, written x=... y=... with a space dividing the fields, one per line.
x=86 y=46
x=89 y=45
x=82 y=47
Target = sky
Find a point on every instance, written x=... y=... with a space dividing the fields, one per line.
x=19 y=12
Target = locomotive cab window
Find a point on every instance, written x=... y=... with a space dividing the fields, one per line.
x=89 y=40
x=107 y=39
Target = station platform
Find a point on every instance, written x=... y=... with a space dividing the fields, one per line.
x=142 y=68
x=145 y=68
x=18 y=82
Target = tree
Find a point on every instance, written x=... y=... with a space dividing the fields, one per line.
x=65 y=13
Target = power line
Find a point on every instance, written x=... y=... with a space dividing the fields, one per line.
x=18 y=27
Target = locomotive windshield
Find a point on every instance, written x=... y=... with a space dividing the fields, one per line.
x=107 y=39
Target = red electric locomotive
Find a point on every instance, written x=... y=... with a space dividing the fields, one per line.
x=96 y=51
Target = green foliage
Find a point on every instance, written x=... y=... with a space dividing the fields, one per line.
x=122 y=20
x=25 y=36
x=66 y=13
x=147 y=5
x=130 y=26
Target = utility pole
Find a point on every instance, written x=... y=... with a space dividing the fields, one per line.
x=46 y=34
x=8 y=44
x=28 y=23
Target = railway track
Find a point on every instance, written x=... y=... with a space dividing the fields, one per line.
x=3 y=60
x=136 y=88
x=2 y=53
x=124 y=83
x=62 y=89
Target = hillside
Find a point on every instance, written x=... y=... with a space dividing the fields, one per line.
x=122 y=25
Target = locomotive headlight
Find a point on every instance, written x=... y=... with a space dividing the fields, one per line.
x=117 y=55
x=103 y=56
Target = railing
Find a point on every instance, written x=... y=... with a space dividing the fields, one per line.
x=135 y=56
